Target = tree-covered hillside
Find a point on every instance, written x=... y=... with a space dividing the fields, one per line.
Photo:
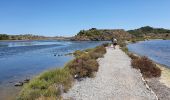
x=150 y=32
x=101 y=34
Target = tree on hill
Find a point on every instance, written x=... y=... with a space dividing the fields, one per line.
x=4 y=37
x=101 y=34
x=150 y=31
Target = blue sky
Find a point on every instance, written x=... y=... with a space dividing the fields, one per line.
x=67 y=17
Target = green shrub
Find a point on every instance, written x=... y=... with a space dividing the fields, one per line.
x=46 y=84
x=78 y=53
x=38 y=84
x=89 y=49
x=147 y=67
x=95 y=55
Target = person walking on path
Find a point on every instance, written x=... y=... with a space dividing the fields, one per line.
x=114 y=42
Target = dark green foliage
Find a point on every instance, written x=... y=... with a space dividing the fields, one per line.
x=4 y=37
x=101 y=35
x=146 y=66
x=150 y=32
x=91 y=32
x=20 y=37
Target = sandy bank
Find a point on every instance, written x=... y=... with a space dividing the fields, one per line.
x=161 y=85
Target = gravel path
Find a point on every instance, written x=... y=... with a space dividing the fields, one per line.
x=115 y=80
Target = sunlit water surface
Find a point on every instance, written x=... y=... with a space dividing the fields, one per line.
x=157 y=50
x=24 y=59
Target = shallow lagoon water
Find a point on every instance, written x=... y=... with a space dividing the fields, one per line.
x=24 y=59
x=157 y=50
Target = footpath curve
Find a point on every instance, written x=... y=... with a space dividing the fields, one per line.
x=115 y=80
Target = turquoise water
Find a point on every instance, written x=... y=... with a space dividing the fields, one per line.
x=157 y=50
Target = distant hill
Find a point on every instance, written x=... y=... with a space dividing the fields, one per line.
x=94 y=34
x=150 y=32
x=30 y=37
x=21 y=37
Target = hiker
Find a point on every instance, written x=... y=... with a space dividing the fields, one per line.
x=114 y=42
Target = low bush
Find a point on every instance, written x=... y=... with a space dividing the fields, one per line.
x=83 y=66
x=146 y=66
x=121 y=43
x=87 y=50
x=97 y=52
x=106 y=44
x=78 y=53
x=125 y=49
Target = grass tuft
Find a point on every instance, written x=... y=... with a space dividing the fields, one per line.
x=46 y=84
x=78 y=53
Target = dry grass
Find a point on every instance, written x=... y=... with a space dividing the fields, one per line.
x=146 y=66
x=132 y=56
x=78 y=53
x=97 y=52
x=85 y=65
x=106 y=44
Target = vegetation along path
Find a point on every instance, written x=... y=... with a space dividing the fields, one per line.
x=115 y=80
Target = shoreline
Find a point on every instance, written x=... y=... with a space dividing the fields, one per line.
x=164 y=68
x=46 y=69
x=160 y=85
x=165 y=76
x=62 y=78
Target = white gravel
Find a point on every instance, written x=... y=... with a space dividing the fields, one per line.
x=115 y=80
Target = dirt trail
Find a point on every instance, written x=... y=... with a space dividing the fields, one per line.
x=115 y=80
